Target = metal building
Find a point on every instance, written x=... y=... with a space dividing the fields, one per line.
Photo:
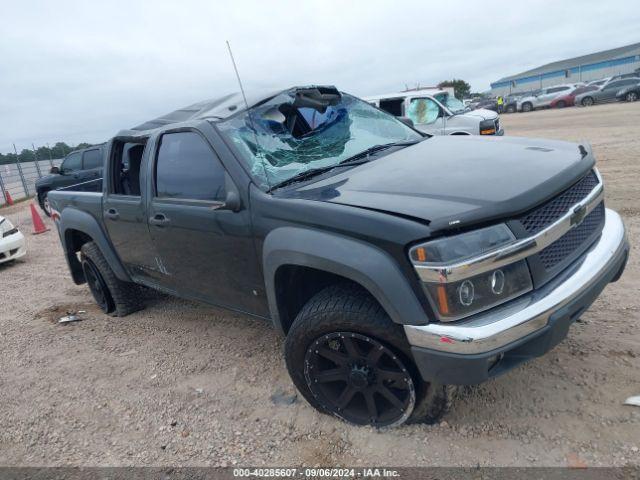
x=579 y=69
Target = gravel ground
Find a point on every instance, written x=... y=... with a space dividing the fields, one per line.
x=181 y=383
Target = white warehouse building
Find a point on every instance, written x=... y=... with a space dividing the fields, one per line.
x=579 y=69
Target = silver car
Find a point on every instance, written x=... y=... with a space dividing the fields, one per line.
x=542 y=98
x=606 y=93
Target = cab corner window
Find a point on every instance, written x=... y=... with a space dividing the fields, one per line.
x=187 y=168
x=423 y=111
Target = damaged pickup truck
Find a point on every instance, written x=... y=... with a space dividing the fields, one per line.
x=395 y=263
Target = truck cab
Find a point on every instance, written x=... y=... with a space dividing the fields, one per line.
x=438 y=112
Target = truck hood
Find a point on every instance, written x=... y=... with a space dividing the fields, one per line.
x=481 y=113
x=457 y=181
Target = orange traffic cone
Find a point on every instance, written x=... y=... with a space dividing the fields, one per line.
x=38 y=224
x=7 y=196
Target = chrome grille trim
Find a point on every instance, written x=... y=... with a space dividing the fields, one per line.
x=517 y=250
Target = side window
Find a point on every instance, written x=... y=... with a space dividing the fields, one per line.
x=423 y=110
x=612 y=85
x=92 y=159
x=73 y=162
x=187 y=168
x=125 y=167
x=393 y=106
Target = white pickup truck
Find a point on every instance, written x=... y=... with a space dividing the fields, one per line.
x=438 y=112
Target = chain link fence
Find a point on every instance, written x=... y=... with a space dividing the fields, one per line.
x=19 y=178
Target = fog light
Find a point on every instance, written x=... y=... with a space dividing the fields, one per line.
x=497 y=282
x=466 y=292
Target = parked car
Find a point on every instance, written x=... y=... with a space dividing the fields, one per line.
x=606 y=93
x=568 y=100
x=80 y=166
x=12 y=244
x=387 y=257
x=437 y=112
x=629 y=94
x=542 y=98
x=599 y=83
x=485 y=104
x=511 y=101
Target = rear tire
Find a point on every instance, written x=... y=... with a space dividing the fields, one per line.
x=631 y=97
x=43 y=200
x=587 y=101
x=561 y=104
x=348 y=359
x=527 y=107
x=113 y=296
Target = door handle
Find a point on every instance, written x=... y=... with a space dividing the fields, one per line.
x=112 y=214
x=159 y=220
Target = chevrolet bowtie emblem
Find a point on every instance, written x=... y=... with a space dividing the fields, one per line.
x=578 y=215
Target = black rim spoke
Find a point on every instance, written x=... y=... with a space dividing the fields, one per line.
x=398 y=378
x=388 y=394
x=359 y=379
x=336 y=357
x=371 y=405
x=335 y=375
x=350 y=347
x=345 y=397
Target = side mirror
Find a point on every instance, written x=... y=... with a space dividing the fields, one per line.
x=407 y=121
x=55 y=170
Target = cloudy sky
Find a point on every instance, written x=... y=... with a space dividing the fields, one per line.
x=80 y=70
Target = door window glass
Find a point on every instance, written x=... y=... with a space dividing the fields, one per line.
x=423 y=110
x=72 y=163
x=187 y=168
x=92 y=159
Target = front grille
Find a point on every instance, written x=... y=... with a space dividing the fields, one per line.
x=572 y=240
x=551 y=211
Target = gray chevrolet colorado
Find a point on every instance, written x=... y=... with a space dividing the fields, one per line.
x=395 y=263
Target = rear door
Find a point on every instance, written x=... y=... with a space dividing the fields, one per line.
x=125 y=211
x=610 y=89
x=207 y=251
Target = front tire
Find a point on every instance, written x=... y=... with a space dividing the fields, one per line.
x=587 y=101
x=631 y=97
x=561 y=104
x=527 y=107
x=113 y=296
x=348 y=359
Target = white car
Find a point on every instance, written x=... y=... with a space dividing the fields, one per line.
x=438 y=112
x=543 y=98
x=12 y=244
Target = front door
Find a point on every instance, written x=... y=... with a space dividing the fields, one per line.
x=206 y=250
x=427 y=116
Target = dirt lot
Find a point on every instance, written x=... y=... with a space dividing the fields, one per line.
x=186 y=384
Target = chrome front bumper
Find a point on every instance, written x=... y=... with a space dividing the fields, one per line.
x=499 y=327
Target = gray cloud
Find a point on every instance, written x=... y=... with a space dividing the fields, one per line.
x=79 y=71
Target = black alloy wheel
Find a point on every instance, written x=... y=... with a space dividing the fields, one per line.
x=631 y=96
x=359 y=379
x=97 y=286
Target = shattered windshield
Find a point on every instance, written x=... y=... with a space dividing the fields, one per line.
x=283 y=137
x=451 y=102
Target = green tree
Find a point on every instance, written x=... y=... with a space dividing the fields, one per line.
x=460 y=87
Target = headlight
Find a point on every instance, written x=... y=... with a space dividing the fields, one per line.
x=7 y=228
x=487 y=127
x=463 y=297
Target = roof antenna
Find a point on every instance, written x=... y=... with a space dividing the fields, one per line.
x=259 y=152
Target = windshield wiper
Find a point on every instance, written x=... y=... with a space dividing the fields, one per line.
x=365 y=154
x=357 y=159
